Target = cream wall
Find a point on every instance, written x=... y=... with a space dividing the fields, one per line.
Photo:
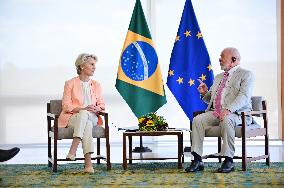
x=39 y=41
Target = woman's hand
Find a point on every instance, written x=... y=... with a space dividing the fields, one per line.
x=93 y=108
x=77 y=110
x=90 y=108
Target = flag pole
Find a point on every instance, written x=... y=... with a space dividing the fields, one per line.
x=141 y=148
x=151 y=20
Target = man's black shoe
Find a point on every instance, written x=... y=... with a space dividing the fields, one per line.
x=226 y=167
x=5 y=155
x=195 y=166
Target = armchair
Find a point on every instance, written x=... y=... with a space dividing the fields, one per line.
x=54 y=107
x=244 y=132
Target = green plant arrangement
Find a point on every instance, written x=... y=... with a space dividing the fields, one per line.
x=152 y=122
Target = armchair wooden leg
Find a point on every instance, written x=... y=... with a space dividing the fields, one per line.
x=182 y=159
x=98 y=150
x=267 y=150
x=219 y=149
x=55 y=156
x=244 y=154
x=49 y=151
x=108 y=155
x=49 y=154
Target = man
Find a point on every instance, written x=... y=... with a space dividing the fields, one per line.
x=6 y=155
x=229 y=95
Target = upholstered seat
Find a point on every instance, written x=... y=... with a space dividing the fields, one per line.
x=55 y=133
x=216 y=131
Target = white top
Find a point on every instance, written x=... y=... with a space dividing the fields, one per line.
x=88 y=101
x=86 y=93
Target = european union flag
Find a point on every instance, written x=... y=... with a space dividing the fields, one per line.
x=189 y=61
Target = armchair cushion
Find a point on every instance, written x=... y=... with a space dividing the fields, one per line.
x=256 y=106
x=216 y=130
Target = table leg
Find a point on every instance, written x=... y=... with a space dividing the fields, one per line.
x=124 y=164
x=130 y=149
x=179 y=150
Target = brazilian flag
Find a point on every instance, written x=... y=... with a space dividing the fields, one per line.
x=139 y=79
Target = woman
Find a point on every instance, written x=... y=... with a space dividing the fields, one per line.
x=82 y=99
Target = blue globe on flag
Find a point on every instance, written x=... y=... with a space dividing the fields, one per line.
x=139 y=61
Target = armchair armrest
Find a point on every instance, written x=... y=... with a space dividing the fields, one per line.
x=103 y=113
x=255 y=112
x=53 y=116
x=197 y=113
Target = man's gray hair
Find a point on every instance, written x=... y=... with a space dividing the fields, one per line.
x=235 y=52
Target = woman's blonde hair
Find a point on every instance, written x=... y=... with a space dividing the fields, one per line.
x=83 y=58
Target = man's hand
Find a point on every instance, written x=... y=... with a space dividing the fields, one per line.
x=223 y=114
x=202 y=88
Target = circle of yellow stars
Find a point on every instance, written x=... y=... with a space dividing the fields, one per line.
x=187 y=33
x=191 y=81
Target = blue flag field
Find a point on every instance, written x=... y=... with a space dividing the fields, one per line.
x=189 y=62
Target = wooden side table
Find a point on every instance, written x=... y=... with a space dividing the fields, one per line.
x=179 y=134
